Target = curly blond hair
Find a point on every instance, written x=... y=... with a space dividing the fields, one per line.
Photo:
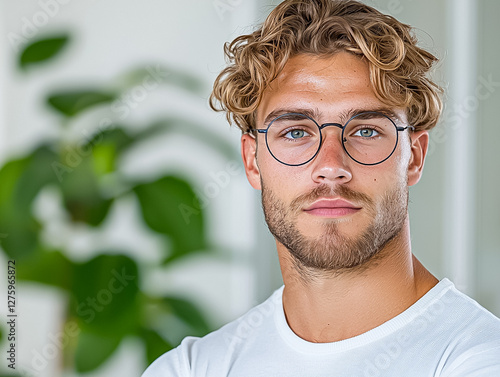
x=398 y=67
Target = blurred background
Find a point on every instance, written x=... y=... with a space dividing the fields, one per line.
x=123 y=200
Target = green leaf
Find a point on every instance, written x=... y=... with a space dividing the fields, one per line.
x=106 y=147
x=189 y=314
x=47 y=267
x=113 y=135
x=21 y=180
x=19 y=236
x=79 y=182
x=35 y=176
x=42 y=50
x=80 y=170
x=72 y=102
x=170 y=206
x=93 y=349
x=10 y=174
x=17 y=226
x=105 y=291
x=155 y=345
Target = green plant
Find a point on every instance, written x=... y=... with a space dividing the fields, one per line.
x=105 y=302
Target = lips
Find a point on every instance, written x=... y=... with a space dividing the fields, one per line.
x=332 y=208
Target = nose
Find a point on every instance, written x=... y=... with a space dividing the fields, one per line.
x=331 y=164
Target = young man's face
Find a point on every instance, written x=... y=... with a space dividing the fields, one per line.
x=332 y=212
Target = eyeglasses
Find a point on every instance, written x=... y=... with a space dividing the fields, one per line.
x=369 y=138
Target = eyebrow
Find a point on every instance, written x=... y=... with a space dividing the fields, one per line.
x=314 y=113
x=311 y=113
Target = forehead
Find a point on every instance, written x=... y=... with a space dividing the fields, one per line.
x=329 y=84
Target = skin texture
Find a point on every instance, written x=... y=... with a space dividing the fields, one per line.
x=343 y=274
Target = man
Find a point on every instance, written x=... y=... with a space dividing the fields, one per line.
x=335 y=105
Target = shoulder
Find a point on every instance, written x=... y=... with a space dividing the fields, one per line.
x=474 y=345
x=469 y=314
x=167 y=365
x=199 y=356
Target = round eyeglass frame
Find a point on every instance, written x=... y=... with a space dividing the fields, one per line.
x=342 y=127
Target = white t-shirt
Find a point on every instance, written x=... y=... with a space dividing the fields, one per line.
x=445 y=334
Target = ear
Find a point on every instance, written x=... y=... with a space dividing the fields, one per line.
x=419 y=141
x=249 y=155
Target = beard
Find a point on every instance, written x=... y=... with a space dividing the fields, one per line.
x=334 y=251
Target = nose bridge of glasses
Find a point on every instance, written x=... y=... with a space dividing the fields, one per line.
x=324 y=125
x=331 y=155
x=334 y=140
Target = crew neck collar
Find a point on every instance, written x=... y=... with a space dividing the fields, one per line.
x=388 y=327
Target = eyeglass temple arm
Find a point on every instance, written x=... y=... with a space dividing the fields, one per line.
x=404 y=128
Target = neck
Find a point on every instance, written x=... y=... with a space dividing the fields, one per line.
x=326 y=307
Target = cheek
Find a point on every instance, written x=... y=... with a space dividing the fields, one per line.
x=405 y=151
x=395 y=169
x=284 y=181
x=402 y=166
x=280 y=178
x=379 y=178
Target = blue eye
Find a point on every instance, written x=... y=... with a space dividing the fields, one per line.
x=366 y=132
x=296 y=134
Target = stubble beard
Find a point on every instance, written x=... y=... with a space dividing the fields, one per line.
x=333 y=251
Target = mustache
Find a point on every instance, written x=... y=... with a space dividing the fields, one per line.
x=326 y=191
